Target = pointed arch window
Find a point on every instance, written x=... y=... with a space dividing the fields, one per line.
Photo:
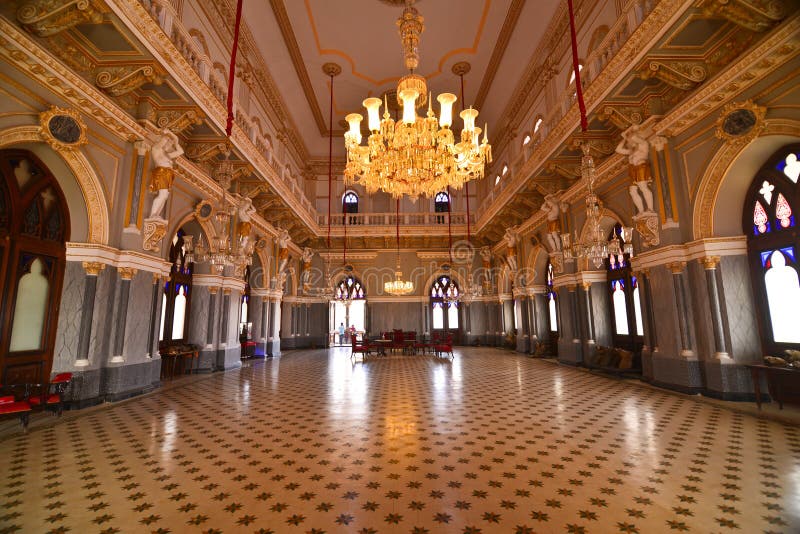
x=623 y=285
x=444 y=303
x=441 y=205
x=176 y=299
x=350 y=202
x=349 y=304
x=769 y=221
x=552 y=305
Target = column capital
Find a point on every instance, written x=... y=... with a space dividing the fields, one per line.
x=93 y=268
x=659 y=142
x=126 y=273
x=709 y=262
x=571 y=287
x=226 y=291
x=676 y=267
x=586 y=285
x=213 y=290
x=141 y=147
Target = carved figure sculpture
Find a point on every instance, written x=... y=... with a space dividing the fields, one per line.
x=552 y=210
x=165 y=151
x=486 y=257
x=283 y=249
x=245 y=211
x=637 y=149
x=510 y=238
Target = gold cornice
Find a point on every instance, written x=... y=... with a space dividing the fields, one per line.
x=503 y=38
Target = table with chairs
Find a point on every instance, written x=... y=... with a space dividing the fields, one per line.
x=404 y=342
x=21 y=400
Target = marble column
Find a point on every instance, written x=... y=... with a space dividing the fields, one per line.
x=587 y=303
x=155 y=317
x=679 y=287
x=575 y=321
x=89 y=290
x=523 y=335
x=125 y=274
x=533 y=326
x=659 y=143
x=710 y=264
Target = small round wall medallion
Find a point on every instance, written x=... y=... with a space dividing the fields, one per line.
x=62 y=128
x=262 y=243
x=203 y=211
x=740 y=122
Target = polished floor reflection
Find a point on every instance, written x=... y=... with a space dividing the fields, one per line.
x=490 y=442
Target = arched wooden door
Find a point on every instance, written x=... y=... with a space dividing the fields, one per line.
x=34 y=227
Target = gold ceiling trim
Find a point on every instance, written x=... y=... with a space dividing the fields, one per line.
x=282 y=18
x=512 y=17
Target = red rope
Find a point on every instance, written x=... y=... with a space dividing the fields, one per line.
x=467 y=184
x=449 y=225
x=232 y=71
x=576 y=67
x=330 y=163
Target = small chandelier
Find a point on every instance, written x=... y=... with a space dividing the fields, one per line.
x=595 y=247
x=398 y=286
x=415 y=156
x=220 y=251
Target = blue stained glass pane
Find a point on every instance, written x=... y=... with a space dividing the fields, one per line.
x=634 y=282
x=756 y=232
x=789 y=251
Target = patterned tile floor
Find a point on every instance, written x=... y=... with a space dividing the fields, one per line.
x=490 y=442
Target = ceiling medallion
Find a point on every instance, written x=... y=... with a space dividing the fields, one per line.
x=740 y=122
x=62 y=128
x=414 y=156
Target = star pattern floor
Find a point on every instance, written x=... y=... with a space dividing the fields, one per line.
x=490 y=442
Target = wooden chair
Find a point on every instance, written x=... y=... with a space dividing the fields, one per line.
x=16 y=406
x=356 y=348
x=51 y=395
x=445 y=347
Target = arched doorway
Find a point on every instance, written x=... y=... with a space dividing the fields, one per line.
x=773 y=244
x=623 y=287
x=349 y=305
x=444 y=308
x=34 y=227
x=177 y=297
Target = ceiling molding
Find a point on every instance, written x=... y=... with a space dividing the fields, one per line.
x=512 y=17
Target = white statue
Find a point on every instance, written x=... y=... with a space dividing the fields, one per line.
x=552 y=210
x=308 y=253
x=486 y=256
x=246 y=209
x=165 y=151
x=510 y=238
x=637 y=149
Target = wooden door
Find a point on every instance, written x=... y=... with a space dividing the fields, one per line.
x=34 y=227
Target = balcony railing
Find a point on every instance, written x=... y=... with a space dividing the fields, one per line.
x=390 y=219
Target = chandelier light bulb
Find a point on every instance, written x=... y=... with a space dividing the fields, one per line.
x=468 y=116
x=408 y=96
x=446 y=101
x=373 y=106
x=354 y=120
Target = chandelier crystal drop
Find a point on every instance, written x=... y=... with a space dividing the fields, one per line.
x=414 y=156
x=594 y=246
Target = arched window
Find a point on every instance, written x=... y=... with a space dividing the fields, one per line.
x=441 y=204
x=552 y=307
x=526 y=140
x=537 y=125
x=572 y=73
x=176 y=300
x=245 y=324
x=626 y=309
x=773 y=246
x=350 y=202
x=34 y=227
x=349 y=304
x=444 y=304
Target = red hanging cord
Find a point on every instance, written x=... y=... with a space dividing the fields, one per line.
x=466 y=191
x=576 y=67
x=330 y=163
x=232 y=70
x=449 y=225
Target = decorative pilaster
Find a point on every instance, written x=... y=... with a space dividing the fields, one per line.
x=125 y=274
x=587 y=299
x=226 y=309
x=533 y=326
x=136 y=187
x=663 y=177
x=651 y=331
x=710 y=264
x=679 y=287
x=89 y=290
x=212 y=308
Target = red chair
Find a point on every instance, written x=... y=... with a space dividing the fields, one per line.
x=397 y=340
x=51 y=395
x=363 y=349
x=444 y=347
x=9 y=405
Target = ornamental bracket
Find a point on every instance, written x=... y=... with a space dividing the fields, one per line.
x=684 y=75
x=49 y=17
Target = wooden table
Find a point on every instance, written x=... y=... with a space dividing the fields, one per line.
x=382 y=344
x=783 y=383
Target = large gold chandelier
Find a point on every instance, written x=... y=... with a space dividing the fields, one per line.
x=415 y=156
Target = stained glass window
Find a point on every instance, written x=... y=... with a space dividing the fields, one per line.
x=623 y=287
x=176 y=301
x=349 y=288
x=551 y=299
x=773 y=244
x=350 y=202
x=444 y=303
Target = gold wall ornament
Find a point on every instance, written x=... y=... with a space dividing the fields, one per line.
x=179 y=120
x=676 y=267
x=557 y=260
x=93 y=268
x=684 y=75
x=740 y=122
x=153 y=232
x=48 y=17
x=204 y=211
x=709 y=263
x=126 y=273
x=118 y=81
x=620 y=116
x=646 y=224
x=755 y=15
x=62 y=129
x=203 y=152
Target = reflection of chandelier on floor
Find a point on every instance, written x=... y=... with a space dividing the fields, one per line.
x=398 y=286
x=594 y=246
x=416 y=156
x=221 y=251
